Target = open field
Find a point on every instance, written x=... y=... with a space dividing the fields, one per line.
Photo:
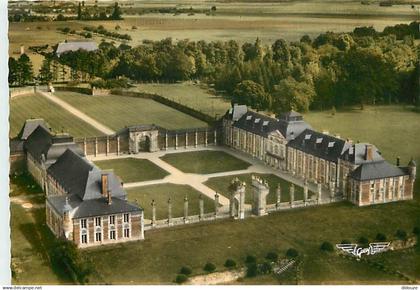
x=221 y=185
x=116 y=112
x=205 y=162
x=36 y=106
x=162 y=192
x=190 y=95
x=133 y=169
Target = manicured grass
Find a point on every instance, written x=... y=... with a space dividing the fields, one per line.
x=205 y=162
x=190 y=95
x=164 y=252
x=221 y=185
x=117 y=112
x=36 y=106
x=162 y=192
x=31 y=241
x=133 y=169
x=22 y=183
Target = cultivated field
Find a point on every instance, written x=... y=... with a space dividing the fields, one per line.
x=36 y=106
x=221 y=185
x=189 y=94
x=133 y=169
x=117 y=112
x=160 y=193
x=205 y=162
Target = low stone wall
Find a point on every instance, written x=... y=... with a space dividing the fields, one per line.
x=86 y=91
x=14 y=92
x=99 y=92
x=102 y=145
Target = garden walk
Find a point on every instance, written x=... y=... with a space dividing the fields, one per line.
x=197 y=180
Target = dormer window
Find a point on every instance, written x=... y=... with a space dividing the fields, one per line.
x=331 y=144
x=265 y=123
x=318 y=140
x=257 y=120
x=308 y=136
x=248 y=118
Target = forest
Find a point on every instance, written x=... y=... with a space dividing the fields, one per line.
x=331 y=70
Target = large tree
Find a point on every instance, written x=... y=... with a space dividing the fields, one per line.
x=45 y=73
x=251 y=93
x=13 y=71
x=290 y=94
x=25 y=75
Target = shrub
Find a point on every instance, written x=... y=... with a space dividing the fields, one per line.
x=266 y=268
x=401 y=234
x=185 y=271
x=381 y=237
x=272 y=256
x=292 y=253
x=209 y=267
x=251 y=270
x=363 y=240
x=181 y=278
x=250 y=259
x=230 y=263
x=416 y=230
x=327 y=247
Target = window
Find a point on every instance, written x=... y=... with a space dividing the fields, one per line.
x=126 y=233
x=83 y=223
x=112 y=219
x=98 y=221
x=126 y=217
x=84 y=239
x=98 y=237
x=112 y=235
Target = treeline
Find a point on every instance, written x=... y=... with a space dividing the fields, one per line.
x=102 y=31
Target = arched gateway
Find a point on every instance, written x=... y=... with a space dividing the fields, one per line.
x=143 y=138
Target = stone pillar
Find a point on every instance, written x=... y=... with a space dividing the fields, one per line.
x=153 y=213
x=107 y=145
x=241 y=209
x=166 y=141
x=205 y=138
x=186 y=209
x=186 y=139
x=169 y=211
x=237 y=199
x=201 y=206
x=142 y=226
x=319 y=187
x=215 y=137
x=292 y=194
x=260 y=192
x=84 y=146
x=278 y=192
x=305 y=191
x=216 y=204
x=332 y=190
x=118 y=145
x=196 y=139
x=176 y=140
x=96 y=146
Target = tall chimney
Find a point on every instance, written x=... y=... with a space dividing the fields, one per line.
x=398 y=160
x=104 y=184
x=109 y=198
x=369 y=153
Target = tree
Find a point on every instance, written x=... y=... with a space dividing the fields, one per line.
x=272 y=256
x=292 y=95
x=380 y=237
x=250 y=93
x=116 y=12
x=181 y=278
x=13 y=71
x=209 y=267
x=292 y=253
x=401 y=234
x=230 y=263
x=363 y=240
x=25 y=70
x=250 y=259
x=281 y=51
x=79 y=11
x=185 y=270
x=45 y=73
x=327 y=247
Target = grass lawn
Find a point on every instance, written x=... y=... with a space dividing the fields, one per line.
x=164 y=252
x=22 y=183
x=190 y=95
x=221 y=184
x=133 y=169
x=36 y=106
x=162 y=192
x=117 y=112
x=205 y=162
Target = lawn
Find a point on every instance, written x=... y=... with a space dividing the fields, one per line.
x=133 y=169
x=164 y=252
x=36 y=106
x=162 y=192
x=221 y=184
x=205 y=162
x=189 y=94
x=117 y=112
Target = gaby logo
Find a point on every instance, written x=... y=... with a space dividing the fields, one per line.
x=373 y=249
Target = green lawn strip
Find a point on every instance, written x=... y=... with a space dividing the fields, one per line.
x=221 y=185
x=205 y=162
x=118 y=112
x=164 y=252
x=37 y=106
x=162 y=192
x=22 y=183
x=133 y=169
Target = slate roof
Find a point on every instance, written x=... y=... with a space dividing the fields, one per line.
x=237 y=111
x=75 y=45
x=263 y=125
x=376 y=170
x=42 y=143
x=78 y=176
x=356 y=154
x=30 y=126
x=320 y=145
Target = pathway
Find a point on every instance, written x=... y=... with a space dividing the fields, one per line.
x=77 y=113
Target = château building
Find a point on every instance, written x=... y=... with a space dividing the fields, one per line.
x=356 y=172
